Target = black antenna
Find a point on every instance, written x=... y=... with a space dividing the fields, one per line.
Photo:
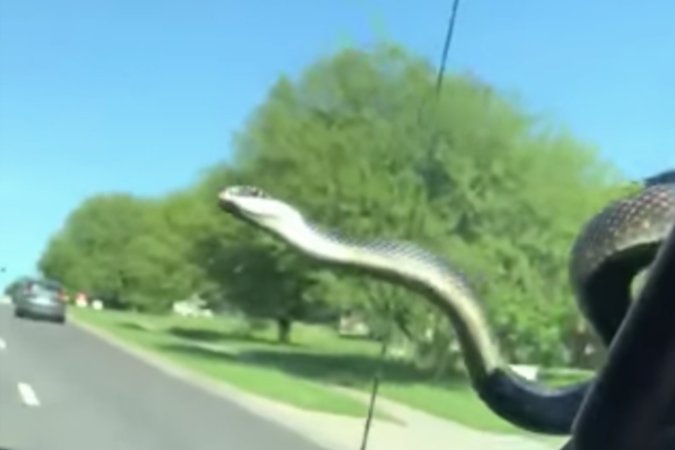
x=446 y=46
x=375 y=389
x=439 y=86
x=428 y=168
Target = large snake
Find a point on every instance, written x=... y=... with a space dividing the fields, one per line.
x=611 y=249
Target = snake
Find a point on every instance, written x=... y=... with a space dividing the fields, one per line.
x=612 y=247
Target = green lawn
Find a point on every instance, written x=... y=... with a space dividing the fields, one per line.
x=298 y=374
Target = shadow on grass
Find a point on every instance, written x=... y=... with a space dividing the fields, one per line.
x=346 y=370
x=132 y=326
x=202 y=335
x=197 y=334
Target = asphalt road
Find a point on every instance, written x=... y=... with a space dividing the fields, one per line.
x=63 y=389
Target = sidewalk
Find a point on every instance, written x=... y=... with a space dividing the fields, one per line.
x=421 y=430
x=426 y=431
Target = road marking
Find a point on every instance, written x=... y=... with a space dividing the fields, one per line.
x=28 y=395
x=3 y=344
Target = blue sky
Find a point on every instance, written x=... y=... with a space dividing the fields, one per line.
x=140 y=96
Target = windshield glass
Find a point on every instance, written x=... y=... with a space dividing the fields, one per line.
x=345 y=224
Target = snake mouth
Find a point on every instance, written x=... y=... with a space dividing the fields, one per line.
x=242 y=191
x=229 y=207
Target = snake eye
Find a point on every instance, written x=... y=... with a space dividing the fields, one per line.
x=250 y=191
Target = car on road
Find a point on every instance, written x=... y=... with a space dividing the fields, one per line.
x=40 y=299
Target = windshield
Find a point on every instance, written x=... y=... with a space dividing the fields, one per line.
x=364 y=224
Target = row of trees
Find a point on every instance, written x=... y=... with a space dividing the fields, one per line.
x=360 y=143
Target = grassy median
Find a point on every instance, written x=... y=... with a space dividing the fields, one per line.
x=299 y=373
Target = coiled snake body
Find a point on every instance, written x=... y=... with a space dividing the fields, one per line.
x=611 y=249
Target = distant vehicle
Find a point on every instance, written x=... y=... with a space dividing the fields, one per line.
x=40 y=299
x=193 y=307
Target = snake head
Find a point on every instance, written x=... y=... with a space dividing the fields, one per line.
x=251 y=204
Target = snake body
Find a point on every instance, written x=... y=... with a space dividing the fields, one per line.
x=610 y=250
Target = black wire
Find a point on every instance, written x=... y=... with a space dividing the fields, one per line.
x=440 y=74
x=446 y=47
x=374 y=391
x=439 y=86
x=436 y=180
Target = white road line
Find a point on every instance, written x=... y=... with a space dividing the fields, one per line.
x=3 y=344
x=28 y=395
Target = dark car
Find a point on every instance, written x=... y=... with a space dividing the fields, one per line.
x=40 y=299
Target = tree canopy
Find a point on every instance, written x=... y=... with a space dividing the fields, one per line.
x=360 y=144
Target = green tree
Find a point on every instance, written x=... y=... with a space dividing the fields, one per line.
x=126 y=249
x=359 y=143
x=347 y=143
x=89 y=252
x=241 y=268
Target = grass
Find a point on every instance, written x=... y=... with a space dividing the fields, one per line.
x=299 y=373
x=166 y=337
x=459 y=404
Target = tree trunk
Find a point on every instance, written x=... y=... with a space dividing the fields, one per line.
x=284 y=326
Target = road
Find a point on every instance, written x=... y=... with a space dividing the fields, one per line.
x=64 y=389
